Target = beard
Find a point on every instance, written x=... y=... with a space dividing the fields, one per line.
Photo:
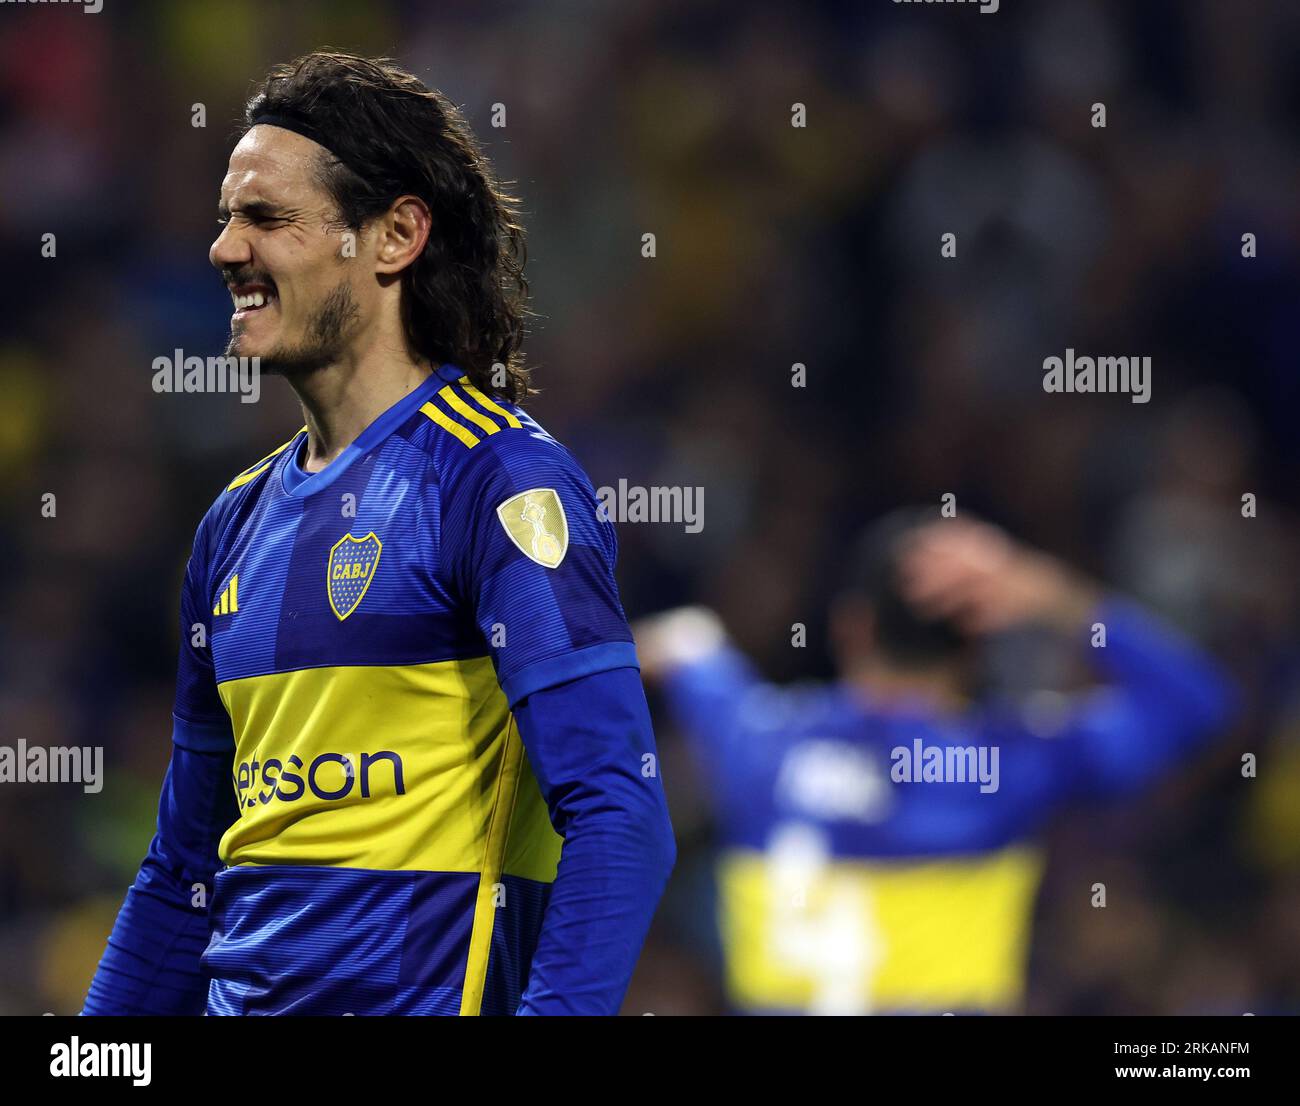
x=327 y=332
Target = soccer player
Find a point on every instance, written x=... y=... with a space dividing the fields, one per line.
x=412 y=768
x=878 y=835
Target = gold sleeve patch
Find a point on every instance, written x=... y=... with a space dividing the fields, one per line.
x=536 y=524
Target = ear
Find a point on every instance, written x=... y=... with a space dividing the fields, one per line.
x=403 y=231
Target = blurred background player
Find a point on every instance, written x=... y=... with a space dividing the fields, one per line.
x=877 y=834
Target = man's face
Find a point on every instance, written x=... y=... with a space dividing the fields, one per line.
x=295 y=306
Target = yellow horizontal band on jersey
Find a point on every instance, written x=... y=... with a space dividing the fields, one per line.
x=398 y=768
x=489 y=405
x=909 y=934
x=257 y=468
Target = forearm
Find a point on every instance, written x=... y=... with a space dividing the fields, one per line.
x=152 y=962
x=1159 y=668
x=705 y=680
x=1162 y=691
x=1162 y=674
x=591 y=746
x=1157 y=663
x=705 y=694
x=1162 y=697
x=610 y=878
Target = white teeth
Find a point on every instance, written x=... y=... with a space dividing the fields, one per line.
x=253 y=299
x=258 y=299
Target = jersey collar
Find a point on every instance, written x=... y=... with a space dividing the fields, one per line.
x=299 y=483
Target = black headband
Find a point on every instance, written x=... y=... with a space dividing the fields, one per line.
x=299 y=125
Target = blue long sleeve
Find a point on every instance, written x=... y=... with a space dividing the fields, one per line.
x=711 y=696
x=152 y=963
x=591 y=747
x=1162 y=698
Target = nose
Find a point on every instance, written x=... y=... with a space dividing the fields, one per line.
x=230 y=249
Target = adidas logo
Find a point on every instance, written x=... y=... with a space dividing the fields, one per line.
x=229 y=601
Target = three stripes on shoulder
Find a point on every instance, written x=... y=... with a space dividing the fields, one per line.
x=462 y=398
x=474 y=407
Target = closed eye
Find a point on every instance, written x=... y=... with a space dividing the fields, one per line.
x=257 y=214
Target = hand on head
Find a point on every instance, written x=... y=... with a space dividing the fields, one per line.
x=979 y=577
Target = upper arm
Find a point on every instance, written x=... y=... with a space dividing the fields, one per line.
x=197 y=804
x=527 y=550
x=200 y=721
x=715 y=696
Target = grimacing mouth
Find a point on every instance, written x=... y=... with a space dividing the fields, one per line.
x=252 y=296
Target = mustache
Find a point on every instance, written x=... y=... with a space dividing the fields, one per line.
x=233 y=277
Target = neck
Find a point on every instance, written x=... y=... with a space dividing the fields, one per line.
x=340 y=400
x=883 y=686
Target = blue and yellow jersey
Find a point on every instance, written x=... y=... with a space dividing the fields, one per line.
x=355 y=639
x=870 y=861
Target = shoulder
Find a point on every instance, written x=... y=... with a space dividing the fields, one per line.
x=262 y=465
x=238 y=495
x=477 y=440
x=496 y=476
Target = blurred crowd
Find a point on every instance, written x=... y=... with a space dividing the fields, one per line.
x=775 y=246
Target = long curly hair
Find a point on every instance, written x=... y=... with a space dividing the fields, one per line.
x=465 y=297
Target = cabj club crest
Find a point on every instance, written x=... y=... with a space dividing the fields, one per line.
x=352 y=565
